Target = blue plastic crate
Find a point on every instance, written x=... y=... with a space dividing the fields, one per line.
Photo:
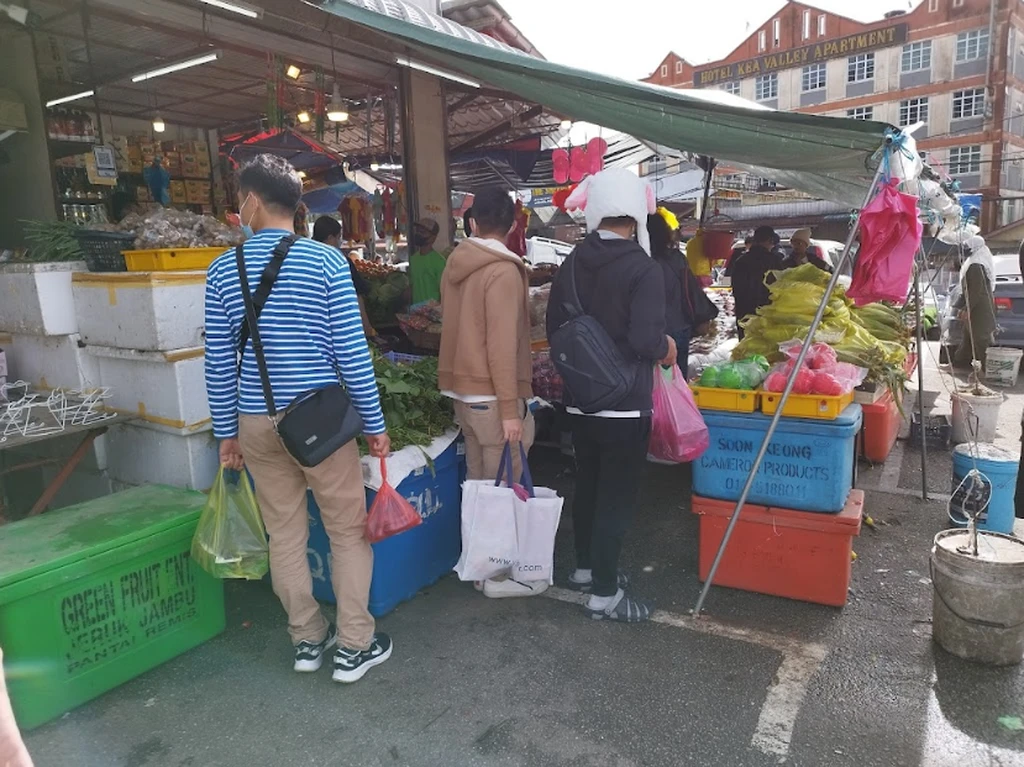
x=808 y=466
x=411 y=561
x=400 y=358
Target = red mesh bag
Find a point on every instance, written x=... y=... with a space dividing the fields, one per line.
x=390 y=514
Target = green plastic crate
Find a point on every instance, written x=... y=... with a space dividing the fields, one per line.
x=94 y=595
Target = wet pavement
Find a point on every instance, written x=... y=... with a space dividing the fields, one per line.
x=758 y=681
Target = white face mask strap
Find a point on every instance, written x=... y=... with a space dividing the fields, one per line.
x=249 y=222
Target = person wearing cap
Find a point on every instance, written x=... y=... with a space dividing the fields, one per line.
x=748 y=272
x=425 y=263
x=804 y=252
x=620 y=286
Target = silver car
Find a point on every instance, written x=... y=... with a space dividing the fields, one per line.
x=1009 y=297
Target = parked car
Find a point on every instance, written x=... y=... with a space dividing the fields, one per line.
x=542 y=250
x=1009 y=297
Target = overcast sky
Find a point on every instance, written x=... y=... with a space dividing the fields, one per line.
x=629 y=38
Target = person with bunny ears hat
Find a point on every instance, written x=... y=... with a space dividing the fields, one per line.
x=619 y=285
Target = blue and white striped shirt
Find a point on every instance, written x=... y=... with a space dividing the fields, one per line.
x=310 y=327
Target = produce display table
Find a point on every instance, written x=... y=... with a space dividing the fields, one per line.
x=89 y=432
x=95 y=594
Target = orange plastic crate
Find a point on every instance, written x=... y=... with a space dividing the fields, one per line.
x=882 y=423
x=800 y=555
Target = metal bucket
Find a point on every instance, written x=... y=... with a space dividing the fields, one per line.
x=978 y=601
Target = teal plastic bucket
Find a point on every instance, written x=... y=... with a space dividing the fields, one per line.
x=1000 y=466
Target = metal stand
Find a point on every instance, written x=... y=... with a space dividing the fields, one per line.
x=920 y=377
x=785 y=394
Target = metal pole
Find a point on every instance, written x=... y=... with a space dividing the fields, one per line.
x=920 y=377
x=785 y=394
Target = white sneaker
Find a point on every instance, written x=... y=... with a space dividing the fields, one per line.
x=510 y=588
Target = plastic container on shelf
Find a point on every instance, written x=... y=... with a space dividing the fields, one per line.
x=400 y=358
x=782 y=552
x=816 y=406
x=1000 y=466
x=882 y=423
x=102 y=251
x=170 y=259
x=96 y=594
x=808 y=466
x=413 y=560
x=730 y=400
x=1002 y=365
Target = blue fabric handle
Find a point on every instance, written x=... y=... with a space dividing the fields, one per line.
x=505 y=467
x=527 y=480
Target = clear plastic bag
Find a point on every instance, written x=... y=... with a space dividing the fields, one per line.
x=390 y=514
x=230 y=540
x=678 y=432
x=821 y=372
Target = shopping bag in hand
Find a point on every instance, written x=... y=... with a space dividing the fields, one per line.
x=537 y=511
x=678 y=432
x=230 y=540
x=489 y=546
x=390 y=514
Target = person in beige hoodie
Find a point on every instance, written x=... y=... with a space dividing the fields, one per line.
x=484 y=363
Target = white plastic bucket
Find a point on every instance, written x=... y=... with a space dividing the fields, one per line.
x=1002 y=365
x=975 y=416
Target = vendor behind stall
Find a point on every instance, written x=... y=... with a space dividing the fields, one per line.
x=425 y=263
x=749 y=271
x=328 y=231
x=804 y=252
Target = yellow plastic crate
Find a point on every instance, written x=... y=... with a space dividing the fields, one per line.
x=806 y=405
x=170 y=259
x=732 y=400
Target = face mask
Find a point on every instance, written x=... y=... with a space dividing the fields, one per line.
x=246 y=225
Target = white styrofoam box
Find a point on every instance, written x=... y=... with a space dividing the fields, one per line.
x=36 y=298
x=148 y=311
x=50 y=362
x=142 y=456
x=165 y=389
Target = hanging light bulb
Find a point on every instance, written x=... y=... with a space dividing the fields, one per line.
x=302 y=174
x=293 y=72
x=375 y=166
x=158 y=124
x=565 y=124
x=336 y=110
x=303 y=116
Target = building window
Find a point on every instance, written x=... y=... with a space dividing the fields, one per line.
x=933 y=6
x=807 y=25
x=776 y=33
x=733 y=87
x=664 y=70
x=861 y=113
x=971 y=45
x=958 y=3
x=766 y=87
x=860 y=68
x=916 y=56
x=969 y=103
x=913 y=111
x=679 y=67
x=965 y=159
x=821 y=25
x=812 y=78
x=762 y=36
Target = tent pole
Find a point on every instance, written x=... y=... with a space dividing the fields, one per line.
x=785 y=394
x=920 y=376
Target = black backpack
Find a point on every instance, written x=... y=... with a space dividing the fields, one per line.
x=591 y=365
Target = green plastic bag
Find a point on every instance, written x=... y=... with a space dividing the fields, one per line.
x=230 y=540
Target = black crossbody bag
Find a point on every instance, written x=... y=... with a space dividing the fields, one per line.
x=317 y=422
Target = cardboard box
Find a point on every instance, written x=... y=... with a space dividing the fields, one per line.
x=135 y=165
x=178 y=194
x=197 y=192
x=142 y=194
x=172 y=161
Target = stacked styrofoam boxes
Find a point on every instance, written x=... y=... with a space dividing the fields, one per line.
x=144 y=331
x=39 y=335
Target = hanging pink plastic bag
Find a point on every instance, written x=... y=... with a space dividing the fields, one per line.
x=890 y=234
x=390 y=514
x=678 y=432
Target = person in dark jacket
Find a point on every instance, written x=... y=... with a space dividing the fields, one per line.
x=748 y=272
x=622 y=288
x=679 y=322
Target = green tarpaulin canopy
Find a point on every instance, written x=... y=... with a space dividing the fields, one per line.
x=827 y=157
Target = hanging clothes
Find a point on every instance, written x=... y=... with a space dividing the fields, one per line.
x=516 y=240
x=356 y=218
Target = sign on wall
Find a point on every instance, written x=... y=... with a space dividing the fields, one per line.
x=850 y=45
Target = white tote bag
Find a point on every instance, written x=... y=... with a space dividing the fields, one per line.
x=489 y=546
x=536 y=526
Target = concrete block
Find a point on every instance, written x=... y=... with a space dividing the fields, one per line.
x=144 y=456
x=36 y=298
x=146 y=311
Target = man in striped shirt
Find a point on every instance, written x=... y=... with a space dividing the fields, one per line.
x=312 y=334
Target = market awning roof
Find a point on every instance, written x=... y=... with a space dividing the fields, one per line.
x=824 y=156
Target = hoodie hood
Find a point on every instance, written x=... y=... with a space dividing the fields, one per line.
x=594 y=252
x=613 y=193
x=469 y=257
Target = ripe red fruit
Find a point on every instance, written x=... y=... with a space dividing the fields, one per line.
x=826 y=383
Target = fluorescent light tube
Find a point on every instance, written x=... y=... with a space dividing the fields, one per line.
x=243 y=10
x=73 y=97
x=407 y=62
x=205 y=59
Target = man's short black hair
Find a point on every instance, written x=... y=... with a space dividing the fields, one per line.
x=764 y=234
x=493 y=211
x=273 y=180
x=660 y=233
x=325 y=227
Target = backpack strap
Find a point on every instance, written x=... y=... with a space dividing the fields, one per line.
x=267 y=280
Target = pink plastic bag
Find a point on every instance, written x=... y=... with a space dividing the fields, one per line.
x=390 y=514
x=678 y=432
x=890 y=234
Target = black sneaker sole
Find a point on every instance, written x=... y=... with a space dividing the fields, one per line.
x=348 y=677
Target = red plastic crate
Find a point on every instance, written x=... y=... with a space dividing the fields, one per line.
x=881 y=428
x=795 y=554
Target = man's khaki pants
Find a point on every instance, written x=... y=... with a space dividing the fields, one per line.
x=337 y=485
x=485 y=438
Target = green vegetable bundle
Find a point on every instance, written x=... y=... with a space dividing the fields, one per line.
x=414 y=410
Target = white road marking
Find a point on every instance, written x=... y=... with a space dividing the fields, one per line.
x=800 y=662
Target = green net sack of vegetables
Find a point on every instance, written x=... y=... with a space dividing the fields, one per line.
x=230 y=540
x=743 y=374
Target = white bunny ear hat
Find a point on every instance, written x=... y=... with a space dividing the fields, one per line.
x=612 y=193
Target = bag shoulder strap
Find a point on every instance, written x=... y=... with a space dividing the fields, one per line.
x=250 y=325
